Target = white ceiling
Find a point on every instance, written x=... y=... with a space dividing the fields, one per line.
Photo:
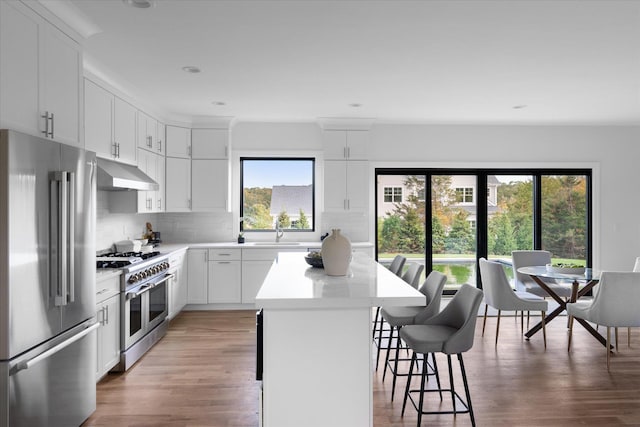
x=404 y=61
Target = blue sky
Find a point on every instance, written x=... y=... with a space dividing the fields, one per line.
x=267 y=173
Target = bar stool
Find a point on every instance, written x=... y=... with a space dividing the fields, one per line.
x=450 y=332
x=396 y=268
x=412 y=277
x=397 y=317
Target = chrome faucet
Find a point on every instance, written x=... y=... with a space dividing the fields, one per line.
x=279 y=231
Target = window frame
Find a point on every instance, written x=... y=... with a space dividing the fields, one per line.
x=481 y=208
x=314 y=189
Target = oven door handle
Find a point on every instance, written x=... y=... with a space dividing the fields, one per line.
x=147 y=287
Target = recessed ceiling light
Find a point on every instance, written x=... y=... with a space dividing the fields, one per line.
x=140 y=4
x=191 y=69
x=355 y=105
x=519 y=107
x=219 y=103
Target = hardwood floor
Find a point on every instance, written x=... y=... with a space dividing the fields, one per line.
x=202 y=374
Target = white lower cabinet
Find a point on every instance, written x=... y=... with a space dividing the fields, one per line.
x=197 y=276
x=224 y=276
x=177 y=285
x=108 y=314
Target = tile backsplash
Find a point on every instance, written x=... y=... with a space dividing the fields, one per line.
x=200 y=227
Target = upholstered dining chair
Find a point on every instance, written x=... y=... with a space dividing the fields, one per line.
x=397 y=317
x=396 y=268
x=524 y=282
x=614 y=305
x=450 y=332
x=499 y=295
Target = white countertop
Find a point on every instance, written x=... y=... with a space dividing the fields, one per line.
x=292 y=283
x=268 y=245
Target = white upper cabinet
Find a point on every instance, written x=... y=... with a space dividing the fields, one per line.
x=61 y=79
x=147 y=132
x=98 y=105
x=209 y=143
x=40 y=76
x=345 y=144
x=124 y=130
x=209 y=185
x=345 y=185
x=153 y=165
x=160 y=145
x=109 y=124
x=178 y=185
x=178 y=142
x=18 y=69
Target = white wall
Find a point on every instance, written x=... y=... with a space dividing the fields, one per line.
x=613 y=153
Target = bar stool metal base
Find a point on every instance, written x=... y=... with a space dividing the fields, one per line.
x=458 y=404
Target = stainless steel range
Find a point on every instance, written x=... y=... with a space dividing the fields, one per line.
x=143 y=301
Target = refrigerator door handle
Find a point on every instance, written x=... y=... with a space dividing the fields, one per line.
x=26 y=364
x=63 y=204
x=71 y=232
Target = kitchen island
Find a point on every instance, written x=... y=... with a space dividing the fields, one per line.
x=317 y=354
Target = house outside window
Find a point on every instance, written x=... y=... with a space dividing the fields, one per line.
x=393 y=194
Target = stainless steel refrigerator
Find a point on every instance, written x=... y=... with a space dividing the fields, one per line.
x=47 y=282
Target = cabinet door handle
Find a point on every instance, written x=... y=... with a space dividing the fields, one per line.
x=45 y=116
x=114 y=150
x=117 y=150
x=348 y=152
x=48 y=124
x=224 y=262
x=53 y=122
x=189 y=203
x=160 y=203
x=160 y=145
x=188 y=150
x=206 y=258
x=226 y=151
x=106 y=310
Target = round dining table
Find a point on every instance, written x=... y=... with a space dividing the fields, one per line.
x=581 y=285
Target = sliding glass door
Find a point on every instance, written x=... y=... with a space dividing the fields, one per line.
x=462 y=215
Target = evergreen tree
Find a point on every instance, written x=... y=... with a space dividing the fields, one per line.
x=283 y=219
x=460 y=239
x=303 y=222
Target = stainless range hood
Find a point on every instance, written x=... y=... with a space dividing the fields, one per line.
x=116 y=176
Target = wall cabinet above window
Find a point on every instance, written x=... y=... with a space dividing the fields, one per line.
x=210 y=143
x=345 y=144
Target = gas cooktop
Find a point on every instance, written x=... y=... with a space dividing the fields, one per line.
x=122 y=259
